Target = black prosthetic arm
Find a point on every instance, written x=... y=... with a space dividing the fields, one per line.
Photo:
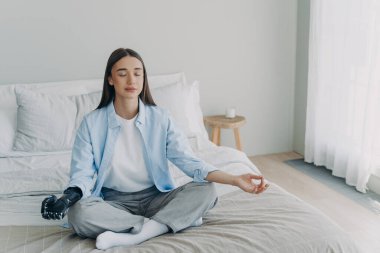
x=55 y=209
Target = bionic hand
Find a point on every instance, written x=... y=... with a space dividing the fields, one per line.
x=55 y=209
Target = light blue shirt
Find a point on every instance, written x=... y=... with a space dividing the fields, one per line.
x=162 y=141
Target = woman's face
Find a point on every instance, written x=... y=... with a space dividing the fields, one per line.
x=127 y=77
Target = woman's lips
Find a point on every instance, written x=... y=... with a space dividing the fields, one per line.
x=130 y=89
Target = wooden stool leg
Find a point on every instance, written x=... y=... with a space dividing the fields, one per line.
x=214 y=135
x=237 y=138
x=218 y=136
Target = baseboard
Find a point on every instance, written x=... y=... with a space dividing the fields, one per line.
x=374 y=184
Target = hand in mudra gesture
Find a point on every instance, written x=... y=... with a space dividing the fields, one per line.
x=247 y=184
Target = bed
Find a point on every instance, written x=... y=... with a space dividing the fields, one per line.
x=274 y=221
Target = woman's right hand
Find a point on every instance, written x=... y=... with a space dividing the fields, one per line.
x=53 y=208
x=246 y=183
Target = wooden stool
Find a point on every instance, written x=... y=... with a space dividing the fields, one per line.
x=216 y=122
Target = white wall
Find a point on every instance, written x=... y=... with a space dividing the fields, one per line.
x=300 y=95
x=242 y=51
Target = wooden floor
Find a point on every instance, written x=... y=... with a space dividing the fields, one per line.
x=362 y=224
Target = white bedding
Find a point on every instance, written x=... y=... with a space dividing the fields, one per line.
x=20 y=203
x=272 y=222
x=31 y=175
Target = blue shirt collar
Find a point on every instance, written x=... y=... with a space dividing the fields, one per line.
x=112 y=120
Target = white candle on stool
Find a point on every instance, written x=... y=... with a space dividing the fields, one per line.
x=230 y=112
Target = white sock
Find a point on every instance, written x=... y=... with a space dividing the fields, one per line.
x=136 y=229
x=197 y=223
x=149 y=230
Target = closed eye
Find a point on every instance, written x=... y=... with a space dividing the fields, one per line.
x=122 y=73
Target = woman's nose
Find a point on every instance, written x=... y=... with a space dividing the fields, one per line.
x=130 y=79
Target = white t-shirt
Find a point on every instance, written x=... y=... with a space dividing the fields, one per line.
x=128 y=170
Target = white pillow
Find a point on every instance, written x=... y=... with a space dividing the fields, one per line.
x=48 y=122
x=8 y=106
x=182 y=101
x=44 y=122
x=196 y=129
x=197 y=116
x=8 y=121
x=176 y=99
x=8 y=117
x=167 y=79
x=85 y=103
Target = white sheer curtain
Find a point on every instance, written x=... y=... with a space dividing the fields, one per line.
x=343 y=108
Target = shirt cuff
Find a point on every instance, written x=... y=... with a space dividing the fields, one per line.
x=201 y=174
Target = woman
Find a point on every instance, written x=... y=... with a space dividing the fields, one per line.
x=126 y=143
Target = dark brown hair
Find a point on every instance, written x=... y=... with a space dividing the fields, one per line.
x=109 y=91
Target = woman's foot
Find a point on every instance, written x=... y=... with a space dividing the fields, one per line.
x=136 y=228
x=149 y=230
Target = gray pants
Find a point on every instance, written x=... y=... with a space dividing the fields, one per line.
x=120 y=211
